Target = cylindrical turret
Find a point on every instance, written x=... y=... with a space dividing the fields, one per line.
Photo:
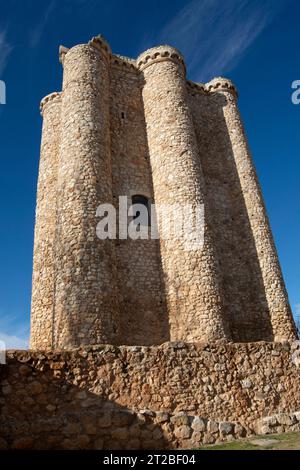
x=278 y=305
x=44 y=238
x=190 y=274
x=86 y=306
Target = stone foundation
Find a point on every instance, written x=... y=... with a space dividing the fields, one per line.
x=171 y=396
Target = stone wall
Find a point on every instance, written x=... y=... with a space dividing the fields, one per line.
x=173 y=395
x=144 y=318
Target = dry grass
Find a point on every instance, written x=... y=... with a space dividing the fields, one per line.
x=289 y=441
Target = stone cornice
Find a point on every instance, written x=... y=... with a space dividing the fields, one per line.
x=216 y=85
x=220 y=84
x=51 y=98
x=159 y=54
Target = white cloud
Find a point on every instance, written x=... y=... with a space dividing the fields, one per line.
x=5 y=49
x=14 y=342
x=297 y=310
x=37 y=33
x=13 y=332
x=214 y=34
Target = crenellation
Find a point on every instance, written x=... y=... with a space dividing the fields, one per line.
x=99 y=42
x=124 y=60
x=196 y=87
x=51 y=98
x=219 y=84
x=160 y=54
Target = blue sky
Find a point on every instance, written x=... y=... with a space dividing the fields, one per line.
x=255 y=43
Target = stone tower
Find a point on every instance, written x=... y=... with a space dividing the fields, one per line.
x=124 y=127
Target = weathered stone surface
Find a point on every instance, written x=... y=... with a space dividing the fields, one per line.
x=270 y=420
x=104 y=420
x=212 y=426
x=239 y=431
x=297 y=416
x=122 y=418
x=135 y=430
x=246 y=383
x=226 y=428
x=119 y=433
x=72 y=428
x=263 y=429
x=180 y=419
x=209 y=439
x=197 y=438
x=68 y=444
x=34 y=388
x=296 y=358
x=161 y=417
x=98 y=444
x=23 y=443
x=183 y=432
x=286 y=419
x=24 y=370
x=3 y=444
x=133 y=444
x=6 y=390
x=82 y=441
x=198 y=424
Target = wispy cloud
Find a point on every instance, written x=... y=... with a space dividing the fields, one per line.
x=37 y=32
x=5 y=49
x=214 y=34
x=13 y=332
x=297 y=311
x=13 y=342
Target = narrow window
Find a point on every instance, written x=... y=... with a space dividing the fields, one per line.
x=142 y=212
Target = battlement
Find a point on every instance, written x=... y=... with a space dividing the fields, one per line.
x=159 y=54
x=150 y=56
x=221 y=84
x=52 y=97
x=139 y=129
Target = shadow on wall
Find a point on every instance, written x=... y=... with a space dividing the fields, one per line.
x=243 y=288
x=206 y=393
x=144 y=319
x=45 y=409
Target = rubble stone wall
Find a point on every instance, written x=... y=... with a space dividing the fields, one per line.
x=169 y=396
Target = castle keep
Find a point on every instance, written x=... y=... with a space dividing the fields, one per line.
x=124 y=127
x=148 y=343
